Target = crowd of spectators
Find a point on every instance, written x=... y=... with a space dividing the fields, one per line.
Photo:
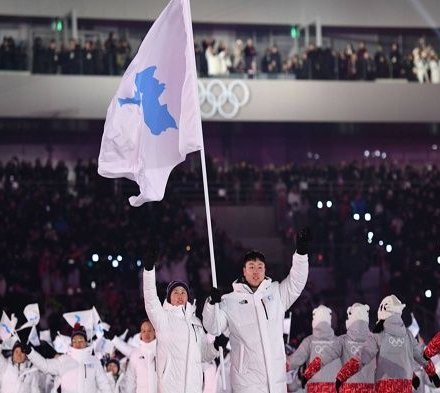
x=90 y=58
x=69 y=239
x=13 y=56
x=239 y=59
x=421 y=65
x=93 y=58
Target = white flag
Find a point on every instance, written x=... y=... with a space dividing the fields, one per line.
x=7 y=327
x=98 y=325
x=45 y=336
x=33 y=337
x=154 y=120
x=61 y=343
x=102 y=346
x=32 y=314
x=84 y=318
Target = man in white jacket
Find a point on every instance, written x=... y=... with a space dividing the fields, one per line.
x=141 y=374
x=182 y=344
x=17 y=374
x=78 y=370
x=254 y=313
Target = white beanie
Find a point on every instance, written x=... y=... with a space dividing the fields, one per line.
x=388 y=306
x=357 y=312
x=321 y=314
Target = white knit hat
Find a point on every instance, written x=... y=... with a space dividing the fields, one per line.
x=321 y=314
x=388 y=306
x=357 y=312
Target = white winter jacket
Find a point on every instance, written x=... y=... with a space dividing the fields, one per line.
x=78 y=370
x=182 y=344
x=18 y=378
x=255 y=322
x=141 y=371
x=117 y=385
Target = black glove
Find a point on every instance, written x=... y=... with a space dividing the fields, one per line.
x=220 y=341
x=302 y=241
x=304 y=381
x=338 y=385
x=151 y=256
x=215 y=295
x=415 y=382
x=435 y=380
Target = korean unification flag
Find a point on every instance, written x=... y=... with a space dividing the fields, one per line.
x=154 y=121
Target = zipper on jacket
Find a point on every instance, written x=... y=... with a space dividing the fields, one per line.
x=265 y=311
x=85 y=372
x=195 y=334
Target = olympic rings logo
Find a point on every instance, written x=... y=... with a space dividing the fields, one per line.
x=224 y=99
x=354 y=349
x=319 y=349
x=396 y=342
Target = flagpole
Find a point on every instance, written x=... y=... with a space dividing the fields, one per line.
x=211 y=248
x=208 y=218
x=192 y=60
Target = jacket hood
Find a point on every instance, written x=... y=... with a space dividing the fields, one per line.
x=357 y=312
x=147 y=348
x=390 y=305
x=358 y=330
x=188 y=308
x=187 y=312
x=80 y=355
x=321 y=314
x=323 y=331
x=394 y=325
x=241 y=286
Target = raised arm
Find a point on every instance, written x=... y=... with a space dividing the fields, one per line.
x=47 y=366
x=292 y=286
x=102 y=382
x=154 y=309
x=125 y=348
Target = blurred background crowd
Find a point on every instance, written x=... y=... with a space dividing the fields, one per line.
x=69 y=239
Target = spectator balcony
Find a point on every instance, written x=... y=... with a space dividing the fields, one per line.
x=87 y=97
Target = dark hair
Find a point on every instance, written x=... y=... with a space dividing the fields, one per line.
x=253 y=256
x=16 y=345
x=143 y=321
x=114 y=361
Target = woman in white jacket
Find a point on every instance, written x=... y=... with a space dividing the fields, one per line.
x=182 y=344
x=17 y=373
x=141 y=374
x=78 y=370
